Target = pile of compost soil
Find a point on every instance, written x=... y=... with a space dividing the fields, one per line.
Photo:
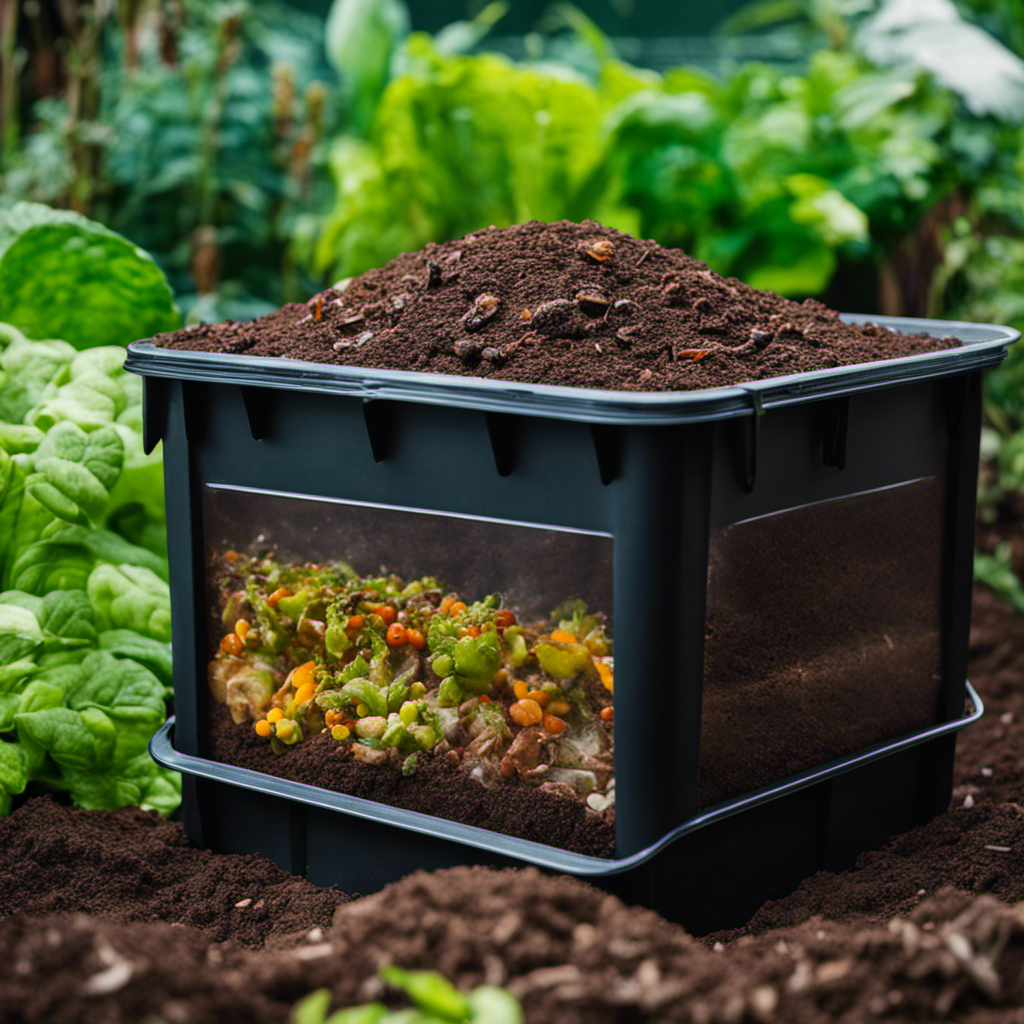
x=112 y=917
x=573 y=304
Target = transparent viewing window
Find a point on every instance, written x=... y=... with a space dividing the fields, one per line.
x=442 y=663
x=822 y=635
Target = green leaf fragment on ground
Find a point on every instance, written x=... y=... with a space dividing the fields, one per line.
x=430 y=991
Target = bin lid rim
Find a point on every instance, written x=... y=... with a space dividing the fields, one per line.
x=984 y=345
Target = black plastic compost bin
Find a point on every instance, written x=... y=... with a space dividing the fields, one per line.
x=758 y=535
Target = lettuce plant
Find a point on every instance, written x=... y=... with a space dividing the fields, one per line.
x=85 y=667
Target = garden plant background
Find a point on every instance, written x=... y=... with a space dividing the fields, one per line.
x=255 y=153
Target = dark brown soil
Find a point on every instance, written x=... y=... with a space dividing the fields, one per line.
x=135 y=866
x=540 y=303
x=111 y=917
x=438 y=787
x=796 y=675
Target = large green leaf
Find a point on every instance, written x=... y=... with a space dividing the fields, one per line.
x=931 y=35
x=361 y=38
x=19 y=633
x=75 y=470
x=119 y=687
x=130 y=597
x=154 y=654
x=82 y=740
x=67 y=620
x=28 y=368
x=63 y=276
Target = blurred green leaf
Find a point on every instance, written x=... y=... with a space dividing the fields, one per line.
x=933 y=36
x=997 y=574
x=62 y=276
x=361 y=38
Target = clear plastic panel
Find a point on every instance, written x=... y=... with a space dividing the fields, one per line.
x=823 y=635
x=463 y=659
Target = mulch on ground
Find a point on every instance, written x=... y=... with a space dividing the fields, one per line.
x=112 y=916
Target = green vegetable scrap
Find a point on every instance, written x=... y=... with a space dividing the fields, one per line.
x=399 y=671
x=434 y=999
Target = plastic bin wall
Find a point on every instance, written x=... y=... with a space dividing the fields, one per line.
x=660 y=480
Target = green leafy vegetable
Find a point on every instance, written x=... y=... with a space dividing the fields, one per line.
x=85 y=666
x=130 y=597
x=20 y=633
x=13 y=773
x=435 y=1000
x=67 y=620
x=63 y=276
x=82 y=740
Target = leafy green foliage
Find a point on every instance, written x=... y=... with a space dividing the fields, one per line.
x=996 y=572
x=457 y=143
x=84 y=611
x=361 y=39
x=434 y=999
x=200 y=145
x=62 y=275
x=773 y=176
x=931 y=34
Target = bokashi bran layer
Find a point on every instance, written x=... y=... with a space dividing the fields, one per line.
x=572 y=304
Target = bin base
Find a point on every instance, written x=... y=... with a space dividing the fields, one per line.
x=713 y=872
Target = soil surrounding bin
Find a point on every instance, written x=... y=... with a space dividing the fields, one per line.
x=198 y=936
x=574 y=304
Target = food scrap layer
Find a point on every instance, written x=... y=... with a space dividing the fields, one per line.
x=572 y=304
x=399 y=673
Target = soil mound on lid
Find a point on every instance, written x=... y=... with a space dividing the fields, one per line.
x=571 y=304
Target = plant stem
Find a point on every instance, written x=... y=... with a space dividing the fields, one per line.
x=10 y=67
x=205 y=241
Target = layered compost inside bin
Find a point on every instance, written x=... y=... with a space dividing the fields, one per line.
x=823 y=635
x=459 y=666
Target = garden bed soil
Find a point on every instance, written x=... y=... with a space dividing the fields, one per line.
x=111 y=917
x=571 y=304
